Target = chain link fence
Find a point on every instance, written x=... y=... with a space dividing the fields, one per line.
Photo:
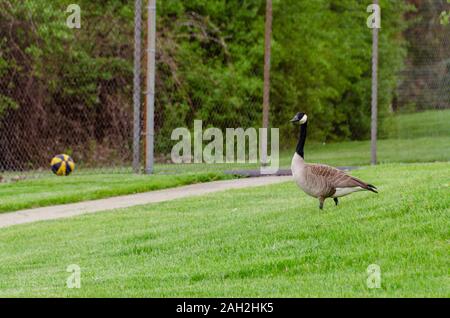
x=70 y=91
x=421 y=105
x=425 y=79
x=65 y=90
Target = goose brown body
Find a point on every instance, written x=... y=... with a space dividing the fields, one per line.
x=322 y=181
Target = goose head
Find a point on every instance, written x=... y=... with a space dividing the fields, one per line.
x=299 y=118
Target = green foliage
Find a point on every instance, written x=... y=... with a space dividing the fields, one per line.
x=323 y=64
x=426 y=76
x=445 y=16
x=210 y=66
x=7 y=103
x=70 y=80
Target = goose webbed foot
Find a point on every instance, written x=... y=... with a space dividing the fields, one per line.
x=336 y=201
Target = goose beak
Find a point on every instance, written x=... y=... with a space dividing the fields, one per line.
x=295 y=119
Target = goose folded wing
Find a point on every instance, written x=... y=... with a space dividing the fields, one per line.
x=336 y=178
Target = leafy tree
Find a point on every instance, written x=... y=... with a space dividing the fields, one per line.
x=77 y=84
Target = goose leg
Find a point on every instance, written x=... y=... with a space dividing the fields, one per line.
x=336 y=201
x=321 y=200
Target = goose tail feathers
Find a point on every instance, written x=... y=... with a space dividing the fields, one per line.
x=372 y=188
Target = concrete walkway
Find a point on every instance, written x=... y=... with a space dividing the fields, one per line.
x=68 y=210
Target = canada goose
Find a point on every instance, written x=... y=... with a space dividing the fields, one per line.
x=321 y=181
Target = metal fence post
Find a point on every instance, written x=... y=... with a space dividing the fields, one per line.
x=374 y=116
x=266 y=94
x=150 y=93
x=137 y=84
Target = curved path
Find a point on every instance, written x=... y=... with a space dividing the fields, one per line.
x=68 y=210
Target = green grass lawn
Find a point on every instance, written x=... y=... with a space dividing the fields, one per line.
x=357 y=153
x=432 y=123
x=262 y=242
x=347 y=153
x=416 y=137
x=54 y=190
x=419 y=137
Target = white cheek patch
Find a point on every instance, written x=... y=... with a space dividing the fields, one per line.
x=304 y=119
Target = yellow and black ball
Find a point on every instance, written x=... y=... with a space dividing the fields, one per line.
x=62 y=165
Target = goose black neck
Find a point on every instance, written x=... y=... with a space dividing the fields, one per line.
x=301 y=141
